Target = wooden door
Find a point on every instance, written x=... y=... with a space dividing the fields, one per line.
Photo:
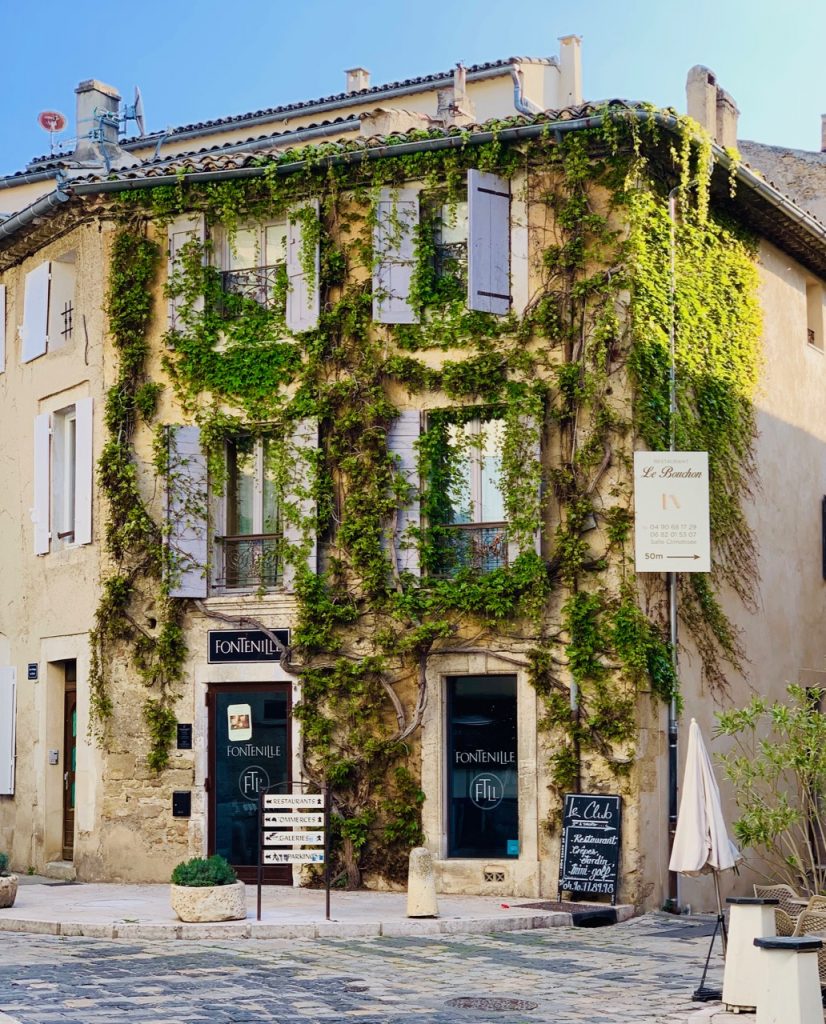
x=69 y=770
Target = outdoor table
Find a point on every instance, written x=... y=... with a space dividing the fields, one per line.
x=751 y=917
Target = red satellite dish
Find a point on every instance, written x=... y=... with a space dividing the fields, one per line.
x=51 y=120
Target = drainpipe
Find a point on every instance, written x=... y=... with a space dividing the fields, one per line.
x=31 y=213
x=27 y=179
x=520 y=101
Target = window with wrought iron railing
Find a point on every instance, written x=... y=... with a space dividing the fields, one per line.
x=449 y=223
x=254 y=263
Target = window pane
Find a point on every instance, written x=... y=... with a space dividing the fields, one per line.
x=269 y=516
x=70 y=474
x=244 y=251
x=483 y=805
x=461 y=482
x=452 y=228
x=491 y=443
x=240 y=490
x=275 y=245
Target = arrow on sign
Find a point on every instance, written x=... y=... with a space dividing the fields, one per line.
x=683 y=556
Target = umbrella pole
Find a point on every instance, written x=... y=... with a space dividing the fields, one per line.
x=703 y=994
x=720 y=916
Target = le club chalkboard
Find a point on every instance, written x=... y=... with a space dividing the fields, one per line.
x=589 y=858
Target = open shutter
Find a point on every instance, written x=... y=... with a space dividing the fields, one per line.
x=530 y=445
x=180 y=231
x=397 y=216
x=186 y=512
x=303 y=296
x=83 y=471
x=2 y=328
x=8 y=685
x=401 y=440
x=300 y=505
x=40 y=511
x=489 y=200
x=33 y=331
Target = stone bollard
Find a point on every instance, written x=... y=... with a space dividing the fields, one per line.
x=751 y=918
x=788 y=985
x=421 y=885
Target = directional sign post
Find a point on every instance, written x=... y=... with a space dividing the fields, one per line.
x=671 y=516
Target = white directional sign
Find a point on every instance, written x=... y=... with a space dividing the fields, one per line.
x=274 y=801
x=293 y=839
x=293 y=857
x=671 y=532
x=307 y=819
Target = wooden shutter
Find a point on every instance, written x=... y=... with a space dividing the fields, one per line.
x=33 y=331
x=300 y=504
x=489 y=201
x=531 y=449
x=42 y=477
x=401 y=440
x=397 y=216
x=2 y=328
x=303 y=296
x=180 y=231
x=61 y=295
x=84 y=471
x=186 y=513
x=8 y=686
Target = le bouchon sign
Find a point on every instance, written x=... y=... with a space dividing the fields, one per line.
x=671 y=531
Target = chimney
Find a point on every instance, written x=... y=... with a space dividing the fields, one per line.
x=823 y=133
x=453 y=106
x=357 y=79
x=726 y=121
x=570 y=71
x=97 y=118
x=712 y=107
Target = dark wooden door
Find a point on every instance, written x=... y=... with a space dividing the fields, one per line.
x=69 y=770
x=249 y=749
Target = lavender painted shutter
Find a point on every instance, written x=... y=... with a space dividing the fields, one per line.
x=401 y=440
x=303 y=296
x=84 y=463
x=397 y=216
x=8 y=687
x=300 y=505
x=42 y=479
x=34 y=328
x=186 y=512
x=2 y=328
x=489 y=197
x=180 y=231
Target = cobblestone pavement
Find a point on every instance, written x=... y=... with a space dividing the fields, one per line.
x=640 y=971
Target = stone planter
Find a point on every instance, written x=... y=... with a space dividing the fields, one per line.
x=210 y=902
x=8 y=890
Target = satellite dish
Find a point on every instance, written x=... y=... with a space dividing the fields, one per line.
x=51 y=120
x=138 y=108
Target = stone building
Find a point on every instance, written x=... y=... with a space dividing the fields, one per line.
x=340 y=487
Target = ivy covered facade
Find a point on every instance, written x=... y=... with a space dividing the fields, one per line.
x=364 y=424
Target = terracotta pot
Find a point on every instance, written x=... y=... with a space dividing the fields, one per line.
x=209 y=902
x=8 y=890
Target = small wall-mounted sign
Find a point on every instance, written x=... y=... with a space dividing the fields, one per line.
x=32 y=670
x=244 y=645
x=184 y=736
x=182 y=804
x=54 y=756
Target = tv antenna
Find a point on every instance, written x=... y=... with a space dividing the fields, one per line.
x=134 y=112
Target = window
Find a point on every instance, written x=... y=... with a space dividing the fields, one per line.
x=48 y=307
x=64 y=474
x=63 y=460
x=254 y=267
x=249 y=546
x=472 y=529
x=448 y=222
x=483 y=805
x=814 y=314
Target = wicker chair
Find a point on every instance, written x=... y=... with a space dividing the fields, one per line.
x=813 y=922
x=787 y=913
x=816 y=903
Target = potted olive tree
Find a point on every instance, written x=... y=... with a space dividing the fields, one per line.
x=207 y=890
x=8 y=883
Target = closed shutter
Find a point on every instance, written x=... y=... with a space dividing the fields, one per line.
x=61 y=303
x=299 y=528
x=180 y=231
x=401 y=440
x=33 y=331
x=303 y=296
x=186 y=511
x=530 y=451
x=40 y=511
x=489 y=200
x=8 y=684
x=397 y=216
x=2 y=328
x=84 y=464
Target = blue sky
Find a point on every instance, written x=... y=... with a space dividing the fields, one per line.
x=206 y=59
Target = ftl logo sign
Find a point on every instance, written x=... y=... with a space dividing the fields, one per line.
x=671 y=526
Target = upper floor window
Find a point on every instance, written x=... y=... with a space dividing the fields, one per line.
x=254 y=267
x=447 y=223
x=63 y=462
x=49 y=314
x=814 y=314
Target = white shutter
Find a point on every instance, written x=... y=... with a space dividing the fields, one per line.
x=186 y=511
x=489 y=199
x=303 y=296
x=530 y=445
x=42 y=477
x=61 y=296
x=2 y=328
x=8 y=685
x=300 y=504
x=520 y=249
x=397 y=216
x=84 y=471
x=180 y=231
x=401 y=440
x=34 y=328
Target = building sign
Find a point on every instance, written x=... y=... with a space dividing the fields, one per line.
x=671 y=531
x=244 y=645
x=589 y=857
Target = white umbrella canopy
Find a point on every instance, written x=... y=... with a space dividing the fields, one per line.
x=701 y=841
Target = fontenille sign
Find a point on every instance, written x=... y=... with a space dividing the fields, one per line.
x=244 y=645
x=671 y=532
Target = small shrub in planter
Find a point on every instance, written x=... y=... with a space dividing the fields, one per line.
x=207 y=890
x=8 y=883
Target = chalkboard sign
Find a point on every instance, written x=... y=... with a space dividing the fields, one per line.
x=589 y=858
